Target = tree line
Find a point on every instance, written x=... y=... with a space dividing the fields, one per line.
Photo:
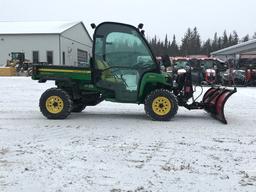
x=191 y=43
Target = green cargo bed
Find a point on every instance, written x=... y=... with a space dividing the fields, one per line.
x=48 y=72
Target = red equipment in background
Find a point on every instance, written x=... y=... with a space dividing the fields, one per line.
x=250 y=76
x=210 y=76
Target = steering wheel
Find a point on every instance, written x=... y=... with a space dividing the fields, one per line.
x=115 y=74
x=140 y=65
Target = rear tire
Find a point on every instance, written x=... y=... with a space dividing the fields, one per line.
x=161 y=105
x=55 y=103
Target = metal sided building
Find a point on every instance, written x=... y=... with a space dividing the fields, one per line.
x=57 y=43
x=241 y=50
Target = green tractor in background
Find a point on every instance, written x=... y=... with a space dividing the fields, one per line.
x=20 y=63
x=123 y=69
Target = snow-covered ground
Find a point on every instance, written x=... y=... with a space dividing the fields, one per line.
x=115 y=147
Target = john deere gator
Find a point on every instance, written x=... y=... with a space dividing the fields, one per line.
x=123 y=69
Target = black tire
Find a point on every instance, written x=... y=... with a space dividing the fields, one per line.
x=169 y=110
x=29 y=72
x=55 y=103
x=224 y=83
x=78 y=107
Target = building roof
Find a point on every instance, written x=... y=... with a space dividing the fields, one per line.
x=38 y=27
x=248 y=47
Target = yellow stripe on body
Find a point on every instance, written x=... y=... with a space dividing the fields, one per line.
x=64 y=71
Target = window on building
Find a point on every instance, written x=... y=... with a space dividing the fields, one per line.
x=63 y=58
x=35 y=56
x=82 y=58
x=49 y=55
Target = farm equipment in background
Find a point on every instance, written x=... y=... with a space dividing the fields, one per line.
x=210 y=76
x=202 y=70
x=211 y=69
x=234 y=77
x=123 y=69
x=180 y=63
x=250 y=76
x=249 y=66
x=197 y=72
x=19 y=62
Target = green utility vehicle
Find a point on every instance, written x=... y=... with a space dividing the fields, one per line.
x=122 y=69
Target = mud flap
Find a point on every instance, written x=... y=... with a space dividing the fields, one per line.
x=214 y=100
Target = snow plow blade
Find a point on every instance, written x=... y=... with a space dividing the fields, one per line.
x=214 y=100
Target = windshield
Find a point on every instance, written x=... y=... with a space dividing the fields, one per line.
x=121 y=45
x=124 y=49
x=208 y=64
x=181 y=64
x=17 y=56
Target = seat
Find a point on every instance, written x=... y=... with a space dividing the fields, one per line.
x=106 y=74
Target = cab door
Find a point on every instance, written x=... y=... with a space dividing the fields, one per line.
x=121 y=56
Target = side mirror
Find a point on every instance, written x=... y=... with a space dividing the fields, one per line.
x=140 y=26
x=93 y=26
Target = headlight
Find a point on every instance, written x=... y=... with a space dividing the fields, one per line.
x=181 y=71
x=168 y=69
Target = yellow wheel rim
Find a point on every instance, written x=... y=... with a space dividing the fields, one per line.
x=54 y=104
x=161 y=106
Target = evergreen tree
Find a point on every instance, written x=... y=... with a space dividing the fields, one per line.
x=186 y=46
x=230 y=40
x=235 y=38
x=195 y=42
x=191 y=43
x=166 y=42
x=246 y=38
x=254 y=35
x=207 y=47
x=220 y=44
x=169 y=48
x=215 y=46
x=225 y=40
x=174 y=49
x=154 y=44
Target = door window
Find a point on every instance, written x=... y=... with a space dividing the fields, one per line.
x=122 y=56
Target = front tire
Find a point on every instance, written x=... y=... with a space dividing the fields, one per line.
x=161 y=105
x=55 y=103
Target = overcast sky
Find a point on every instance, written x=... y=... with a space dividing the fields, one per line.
x=159 y=16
